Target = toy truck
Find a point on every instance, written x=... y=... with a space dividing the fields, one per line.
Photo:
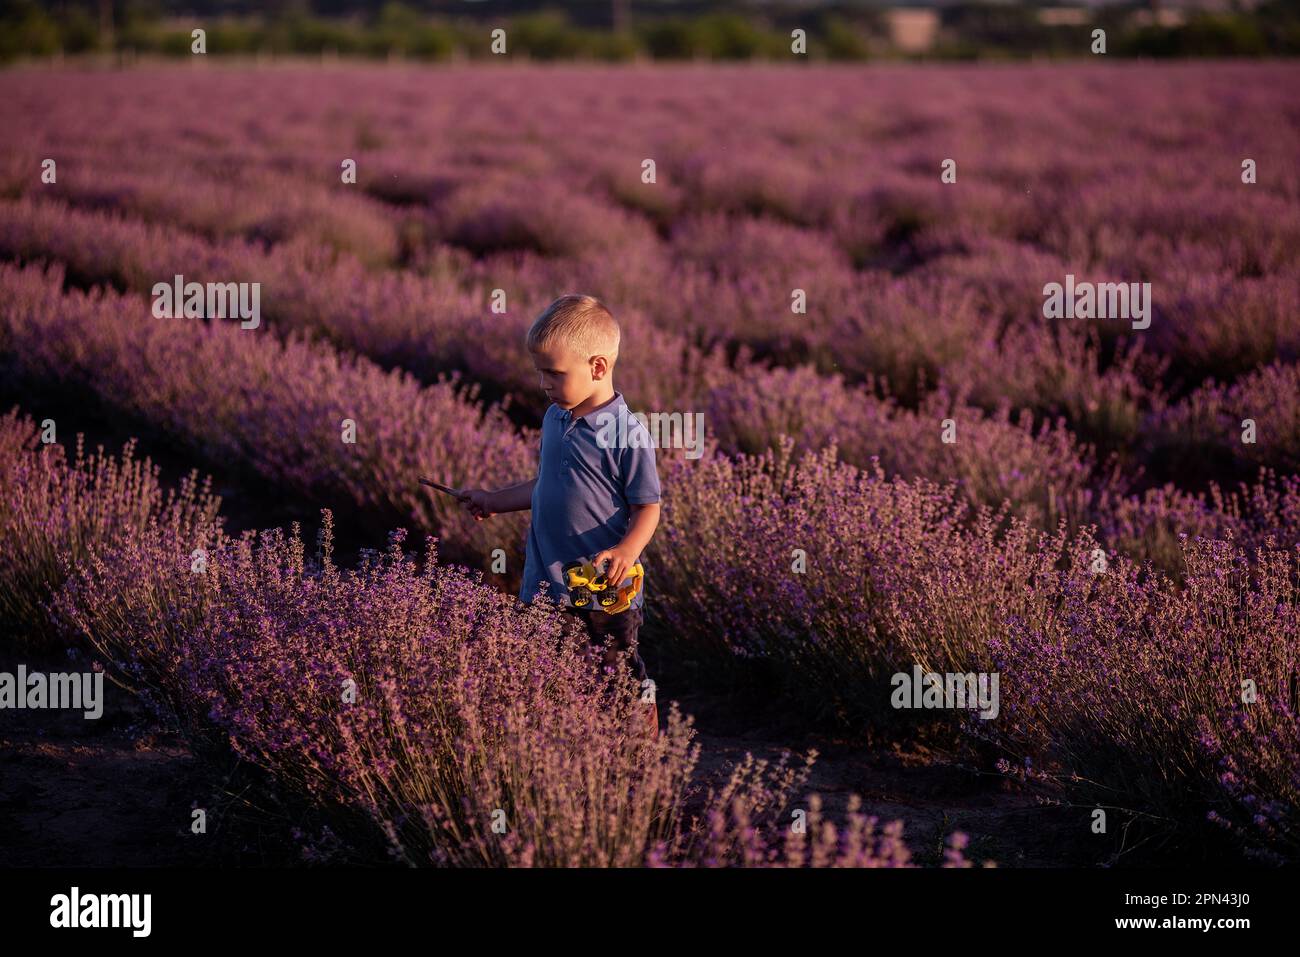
x=588 y=588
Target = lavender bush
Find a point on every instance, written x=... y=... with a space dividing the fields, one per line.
x=56 y=511
x=469 y=729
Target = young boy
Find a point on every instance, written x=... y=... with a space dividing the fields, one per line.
x=592 y=498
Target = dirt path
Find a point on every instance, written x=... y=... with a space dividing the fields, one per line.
x=115 y=791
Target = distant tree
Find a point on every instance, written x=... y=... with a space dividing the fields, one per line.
x=667 y=39
x=727 y=36
x=842 y=39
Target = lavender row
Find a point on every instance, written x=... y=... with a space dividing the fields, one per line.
x=466 y=729
x=1171 y=700
x=425 y=324
x=296 y=414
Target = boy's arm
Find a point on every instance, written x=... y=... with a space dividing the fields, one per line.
x=645 y=519
x=513 y=498
x=641 y=487
x=484 y=504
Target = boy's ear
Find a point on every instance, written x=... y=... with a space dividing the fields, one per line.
x=599 y=367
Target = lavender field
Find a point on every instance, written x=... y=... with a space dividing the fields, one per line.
x=911 y=460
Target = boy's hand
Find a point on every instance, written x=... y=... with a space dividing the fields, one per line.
x=621 y=561
x=478 y=502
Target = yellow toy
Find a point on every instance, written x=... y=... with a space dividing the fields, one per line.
x=587 y=586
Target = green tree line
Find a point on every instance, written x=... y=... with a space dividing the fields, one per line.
x=967 y=31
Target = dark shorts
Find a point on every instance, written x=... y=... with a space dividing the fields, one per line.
x=609 y=635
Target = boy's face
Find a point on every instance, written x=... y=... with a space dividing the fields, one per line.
x=565 y=376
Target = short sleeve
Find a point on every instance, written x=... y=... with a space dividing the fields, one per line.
x=640 y=476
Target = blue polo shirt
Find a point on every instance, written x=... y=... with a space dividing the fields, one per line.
x=592 y=469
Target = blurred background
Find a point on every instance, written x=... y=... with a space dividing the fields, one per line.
x=639 y=30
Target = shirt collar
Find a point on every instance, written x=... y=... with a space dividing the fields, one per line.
x=591 y=417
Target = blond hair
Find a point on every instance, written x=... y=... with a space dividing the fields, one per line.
x=580 y=323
